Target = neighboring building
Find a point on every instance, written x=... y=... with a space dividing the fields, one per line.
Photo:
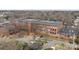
x=76 y=21
x=68 y=32
x=6 y=28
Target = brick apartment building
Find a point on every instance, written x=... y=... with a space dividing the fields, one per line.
x=38 y=26
x=48 y=27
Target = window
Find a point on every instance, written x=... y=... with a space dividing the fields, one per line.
x=54 y=29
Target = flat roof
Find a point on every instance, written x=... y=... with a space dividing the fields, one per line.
x=52 y=22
